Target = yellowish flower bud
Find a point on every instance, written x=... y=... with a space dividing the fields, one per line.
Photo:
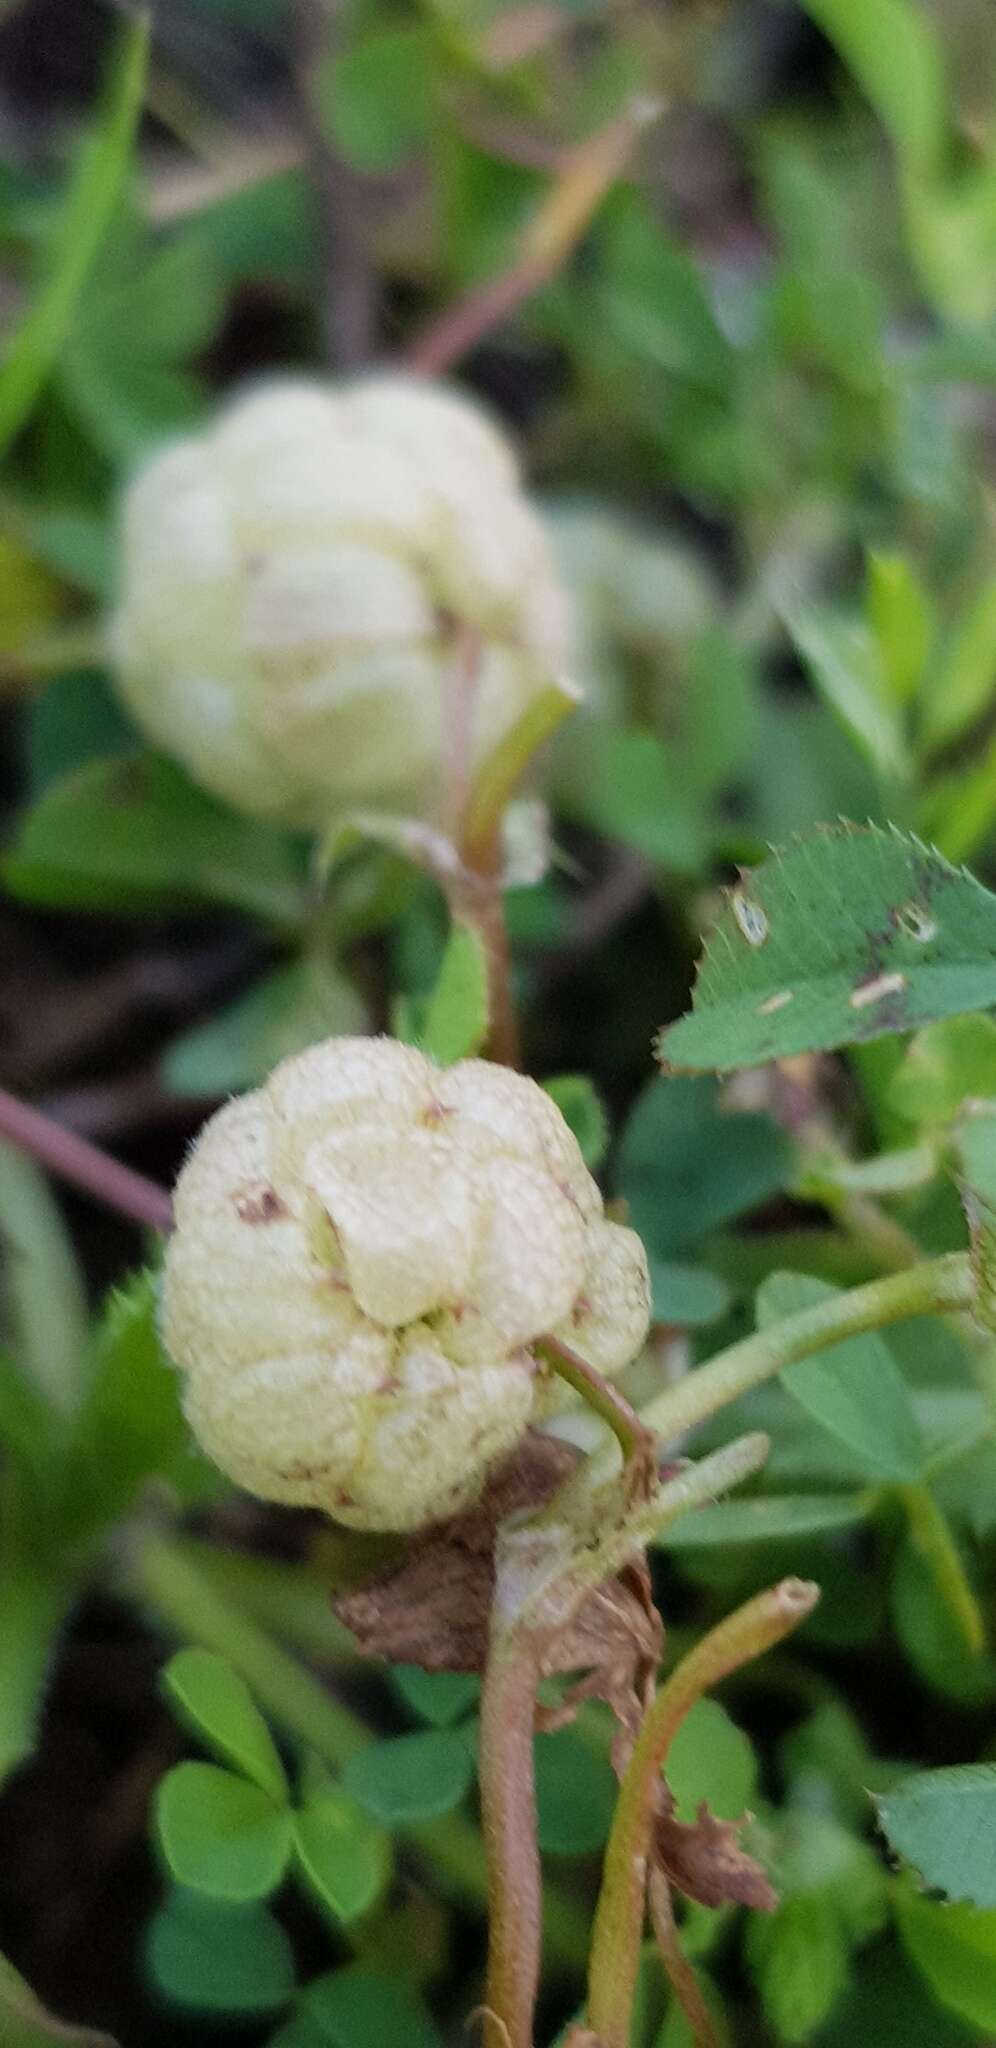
x=294 y=584
x=366 y=1250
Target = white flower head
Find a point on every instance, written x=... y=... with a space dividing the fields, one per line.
x=366 y=1251
x=296 y=580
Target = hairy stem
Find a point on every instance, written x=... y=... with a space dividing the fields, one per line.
x=75 y=1160
x=508 y=1812
x=615 y=1951
x=933 y=1288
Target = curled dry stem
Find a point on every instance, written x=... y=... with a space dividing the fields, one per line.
x=615 y=1950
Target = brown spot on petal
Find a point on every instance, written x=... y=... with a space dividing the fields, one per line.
x=259 y=1205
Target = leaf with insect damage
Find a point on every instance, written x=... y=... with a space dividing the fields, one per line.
x=845 y=935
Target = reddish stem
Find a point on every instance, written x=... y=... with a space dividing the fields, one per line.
x=73 y=1159
x=508 y=1813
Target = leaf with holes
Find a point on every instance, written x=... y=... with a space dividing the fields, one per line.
x=843 y=936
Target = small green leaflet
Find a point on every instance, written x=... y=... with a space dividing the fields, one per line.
x=711 y=1759
x=954 y=1947
x=211 y=1958
x=975 y=1152
x=91 y=197
x=854 y=1389
x=410 y=1777
x=354 y=2008
x=845 y=935
x=778 y=1518
x=575 y=1794
x=344 y=1859
x=220 y=1834
x=944 y=1823
x=215 y=1702
x=456 y=1020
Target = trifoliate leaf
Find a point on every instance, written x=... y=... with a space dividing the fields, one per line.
x=843 y=936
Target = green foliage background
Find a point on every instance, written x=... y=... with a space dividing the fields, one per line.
x=756 y=402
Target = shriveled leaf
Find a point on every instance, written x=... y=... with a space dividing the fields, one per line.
x=209 y=1958
x=217 y=1704
x=944 y=1823
x=220 y=1834
x=25 y=2022
x=344 y=1859
x=456 y=1019
x=411 y=1777
x=845 y=935
x=854 y=1389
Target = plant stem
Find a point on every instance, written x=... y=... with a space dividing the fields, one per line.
x=934 y=1287
x=615 y=1951
x=475 y=897
x=681 y=1976
x=508 y=1811
x=75 y=1160
x=636 y=1441
x=160 y=1574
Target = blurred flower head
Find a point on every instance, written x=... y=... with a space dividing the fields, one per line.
x=298 y=582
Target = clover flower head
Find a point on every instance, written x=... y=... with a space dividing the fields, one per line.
x=296 y=583
x=366 y=1251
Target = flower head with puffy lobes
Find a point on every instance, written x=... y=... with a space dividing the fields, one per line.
x=295 y=583
x=366 y=1250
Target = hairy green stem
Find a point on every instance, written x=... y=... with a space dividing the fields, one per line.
x=161 y=1575
x=935 y=1287
x=615 y=1950
x=637 y=1443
